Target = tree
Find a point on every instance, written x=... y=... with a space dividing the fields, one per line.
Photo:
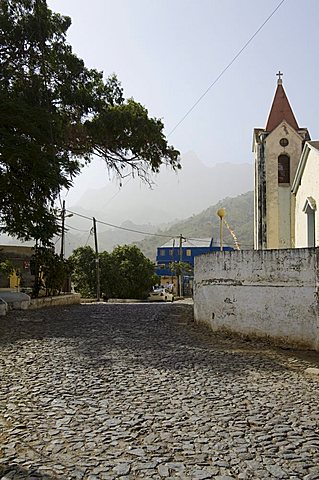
x=133 y=273
x=179 y=269
x=50 y=272
x=83 y=268
x=6 y=268
x=124 y=273
x=55 y=115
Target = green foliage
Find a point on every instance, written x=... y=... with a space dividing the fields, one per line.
x=51 y=272
x=6 y=268
x=55 y=115
x=83 y=266
x=125 y=136
x=134 y=273
x=124 y=273
x=181 y=268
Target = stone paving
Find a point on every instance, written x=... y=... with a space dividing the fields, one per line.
x=100 y=392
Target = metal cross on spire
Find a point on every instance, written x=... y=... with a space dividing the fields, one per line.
x=279 y=75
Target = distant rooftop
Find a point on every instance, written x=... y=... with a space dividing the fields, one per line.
x=191 y=243
x=198 y=242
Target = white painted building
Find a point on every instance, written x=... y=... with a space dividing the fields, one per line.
x=272 y=291
x=305 y=190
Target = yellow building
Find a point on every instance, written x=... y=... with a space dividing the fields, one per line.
x=19 y=257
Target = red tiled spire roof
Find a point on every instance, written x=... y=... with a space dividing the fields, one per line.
x=280 y=110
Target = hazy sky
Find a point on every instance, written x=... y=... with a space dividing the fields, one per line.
x=166 y=53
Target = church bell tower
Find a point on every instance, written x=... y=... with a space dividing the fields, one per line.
x=277 y=149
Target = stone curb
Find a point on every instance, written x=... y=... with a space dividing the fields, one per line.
x=60 y=300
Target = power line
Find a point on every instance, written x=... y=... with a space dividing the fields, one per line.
x=117 y=193
x=227 y=67
x=138 y=231
x=124 y=228
x=120 y=228
x=207 y=90
x=77 y=229
x=87 y=240
x=179 y=123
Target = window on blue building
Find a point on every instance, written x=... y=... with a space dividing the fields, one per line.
x=162 y=253
x=188 y=253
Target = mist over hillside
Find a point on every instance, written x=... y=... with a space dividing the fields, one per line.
x=173 y=200
x=173 y=195
x=108 y=238
x=239 y=216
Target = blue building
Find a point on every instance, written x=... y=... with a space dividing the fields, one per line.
x=170 y=252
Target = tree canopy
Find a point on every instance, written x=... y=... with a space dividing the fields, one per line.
x=55 y=115
x=83 y=267
x=124 y=273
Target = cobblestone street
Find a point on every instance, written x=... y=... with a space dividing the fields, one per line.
x=129 y=391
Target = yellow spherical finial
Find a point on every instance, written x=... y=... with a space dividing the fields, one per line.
x=221 y=213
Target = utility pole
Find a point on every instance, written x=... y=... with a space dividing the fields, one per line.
x=97 y=261
x=221 y=213
x=63 y=216
x=180 y=276
x=62 y=231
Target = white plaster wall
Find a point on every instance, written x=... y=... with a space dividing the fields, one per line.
x=256 y=189
x=265 y=293
x=284 y=216
x=276 y=199
x=309 y=187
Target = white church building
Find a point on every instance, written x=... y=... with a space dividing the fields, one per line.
x=286 y=180
x=271 y=291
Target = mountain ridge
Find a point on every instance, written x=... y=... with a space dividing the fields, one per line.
x=239 y=217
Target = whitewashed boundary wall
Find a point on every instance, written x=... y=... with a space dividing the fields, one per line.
x=272 y=293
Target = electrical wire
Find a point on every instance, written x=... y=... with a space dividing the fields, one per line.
x=116 y=194
x=120 y=228
x=90 y=233
x=77 y=229
x=226 y=68
x=173 y=130
x=203 y=95
x=178 y=124
x=139 y=231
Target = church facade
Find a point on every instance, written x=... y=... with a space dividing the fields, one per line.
x=272 y=291
x=277 y=150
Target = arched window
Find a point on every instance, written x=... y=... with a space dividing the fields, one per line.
x=310 y=209
x=283 y=169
